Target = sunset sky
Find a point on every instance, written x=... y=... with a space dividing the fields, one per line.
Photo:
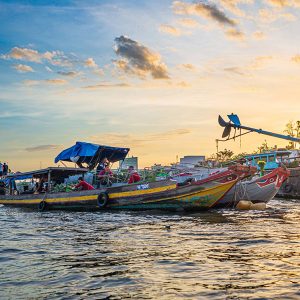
x=149 y=75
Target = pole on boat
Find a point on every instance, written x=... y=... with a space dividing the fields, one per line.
x=234 y=122
x=49 y=181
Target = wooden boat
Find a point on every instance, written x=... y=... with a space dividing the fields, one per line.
x=166 y=195
x=291 y=187
x=257 y=189
x=290 y=158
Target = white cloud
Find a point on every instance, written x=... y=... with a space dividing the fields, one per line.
x=23 y=54
x=90 y=63
x=23 y=68
x=57 y=58
x=48 y=69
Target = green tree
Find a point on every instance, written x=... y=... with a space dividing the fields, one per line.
x=263 y=148
x=292 y=129
x=239 y=156
x=224 y=155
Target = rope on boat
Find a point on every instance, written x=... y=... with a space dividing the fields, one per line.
x=243 y=195
x=233 y=200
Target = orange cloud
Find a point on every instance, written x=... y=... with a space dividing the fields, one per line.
x=235 y=34
x=169 y=30
x=232 y=6
x=90 y=63
x=46 y=81
x=106 y=85
x=189 y=66
x=187 y=22
x=42 y=148
x=23 y=68
x=296 y=59
x=208 y=11
x=139 y=60
x=258 y=35
x=57 y=58
x=269 y=16
x=55 y=81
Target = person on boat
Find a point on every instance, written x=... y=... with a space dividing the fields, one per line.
x=1 y=169
x=5 y=169
x=2 y=188
x=101 y=166
x=105 y=176
x=83 y=185
x=41 y=185
x=133 y=175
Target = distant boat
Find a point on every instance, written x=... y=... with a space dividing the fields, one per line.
x=273 y=159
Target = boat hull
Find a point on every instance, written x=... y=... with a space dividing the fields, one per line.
x=291 y=187
x=193 y=197
x=257 y=190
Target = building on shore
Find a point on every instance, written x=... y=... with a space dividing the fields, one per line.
x=191 y=161
x=129 y=161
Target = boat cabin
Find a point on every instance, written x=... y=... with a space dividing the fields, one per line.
x=57 y=179
x=41 y=181
x=272 y=159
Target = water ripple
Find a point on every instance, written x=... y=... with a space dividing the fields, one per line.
x=223 y=254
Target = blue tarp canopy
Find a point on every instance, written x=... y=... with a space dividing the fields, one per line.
x=20 y=176
x=91 y=154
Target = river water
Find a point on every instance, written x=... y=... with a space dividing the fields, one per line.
x=221 y=254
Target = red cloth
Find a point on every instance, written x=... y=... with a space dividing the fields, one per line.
x=134 y=177
x=105 y=172
x=85 y=186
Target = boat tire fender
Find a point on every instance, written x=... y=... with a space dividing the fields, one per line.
x=42 y=205
x=102 y=200
x=288 y=188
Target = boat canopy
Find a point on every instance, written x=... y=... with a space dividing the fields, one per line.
x=91 y=154
x=278 y=153
x=56 y=173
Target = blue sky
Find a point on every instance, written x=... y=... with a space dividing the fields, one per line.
x=149 y=75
